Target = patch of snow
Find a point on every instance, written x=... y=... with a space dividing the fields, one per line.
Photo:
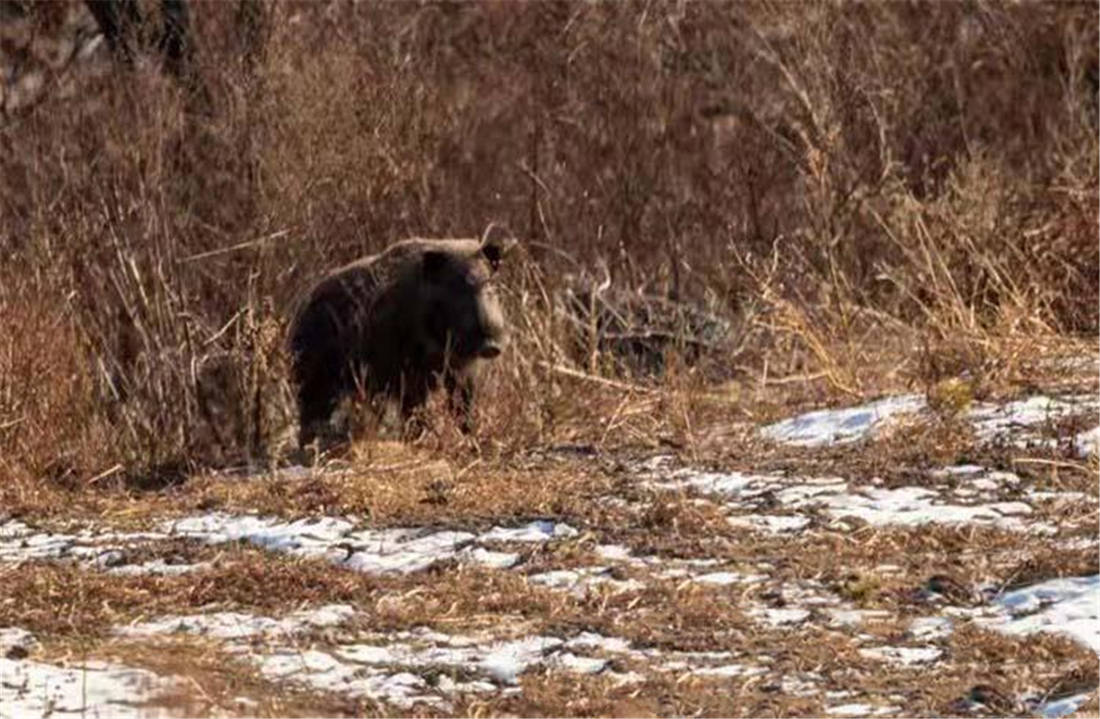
x=930 y=628
x=903 y=656
x=1087 y=443
x=850 y=424
x=404 y=551
x=236 y=625
x=506 y=661
x=322 y=671
x=854 y=617
x=401 y=550
x=615 y=552
x=19 y=542
x=157 y=567
x=579 y=665
x=801 y=686
x=489 y=558
x=541 y=530
x=387 y=666
x=16 y=642
x=1068 y=605
x=991 y=421
x=726 y=578
x=579 y=581
x=836 y=498
x=779 y=617
x=729 y=670
x=959 y=469
x=836 y=426
x=914 y=506
x=100 y=549
x=770 y=523
x=1062 y=707
x=591 y=640
x=90 y=689
x=860 y=710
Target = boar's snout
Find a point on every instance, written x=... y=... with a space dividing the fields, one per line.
x=492 y=330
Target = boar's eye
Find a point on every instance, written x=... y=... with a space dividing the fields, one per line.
x=473 y=281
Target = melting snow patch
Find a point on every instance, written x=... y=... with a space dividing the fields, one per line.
x=904 y=656
x=992 y=421
x=18 y=542
x=235 y=625
x=838 y=426
x=771 y=523
x=729 y=670
x=91 y=689
x=366 y=550
x=855 y=617
x=1062 y=707
x=387 y=667
x=726 y=578
x=905 y=506
x=1070 y=605
x=538 y=531
x=783 y=617
x=834 y=426
x=930 y=628
x=579 y=581
x=913 y=506
x=860 y=710
x=1088 y=443
x=157 y=567
x=15 y=642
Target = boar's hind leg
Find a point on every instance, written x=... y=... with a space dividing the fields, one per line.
x=460 y=399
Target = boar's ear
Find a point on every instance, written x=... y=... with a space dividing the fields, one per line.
x=496 y=242
x=433 y=263
x=495 y=248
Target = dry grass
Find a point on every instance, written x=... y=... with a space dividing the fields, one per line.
x=920 y=214
x=880 y=198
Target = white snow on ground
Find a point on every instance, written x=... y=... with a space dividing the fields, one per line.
x=1088 y=442
x=860 y=710
x=88 y=690
x=837 y=499
x=367 y=550
x=20 y=542
x=157 y=567
x=779 y=617
x=580 y=581
x=991 y=421
x=1064 y=706
x=237 y=625
x=904 y=656
x=835 y=426
x=538 y=531
x=404 y=668
x=16 y=642
x=422 y=665
x=930 y=628
x=1069 y=605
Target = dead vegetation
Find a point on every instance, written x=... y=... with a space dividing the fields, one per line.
x=727 y=213
x=865 y=216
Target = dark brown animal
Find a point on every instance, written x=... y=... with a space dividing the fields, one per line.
x=392 y=325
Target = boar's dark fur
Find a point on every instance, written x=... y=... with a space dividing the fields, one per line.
x=392 y=325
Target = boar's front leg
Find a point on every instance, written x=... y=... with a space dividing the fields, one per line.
x=460 y=399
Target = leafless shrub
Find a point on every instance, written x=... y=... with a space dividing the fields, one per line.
x=848 y=182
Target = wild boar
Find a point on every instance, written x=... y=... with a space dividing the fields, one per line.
x=395 y=324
